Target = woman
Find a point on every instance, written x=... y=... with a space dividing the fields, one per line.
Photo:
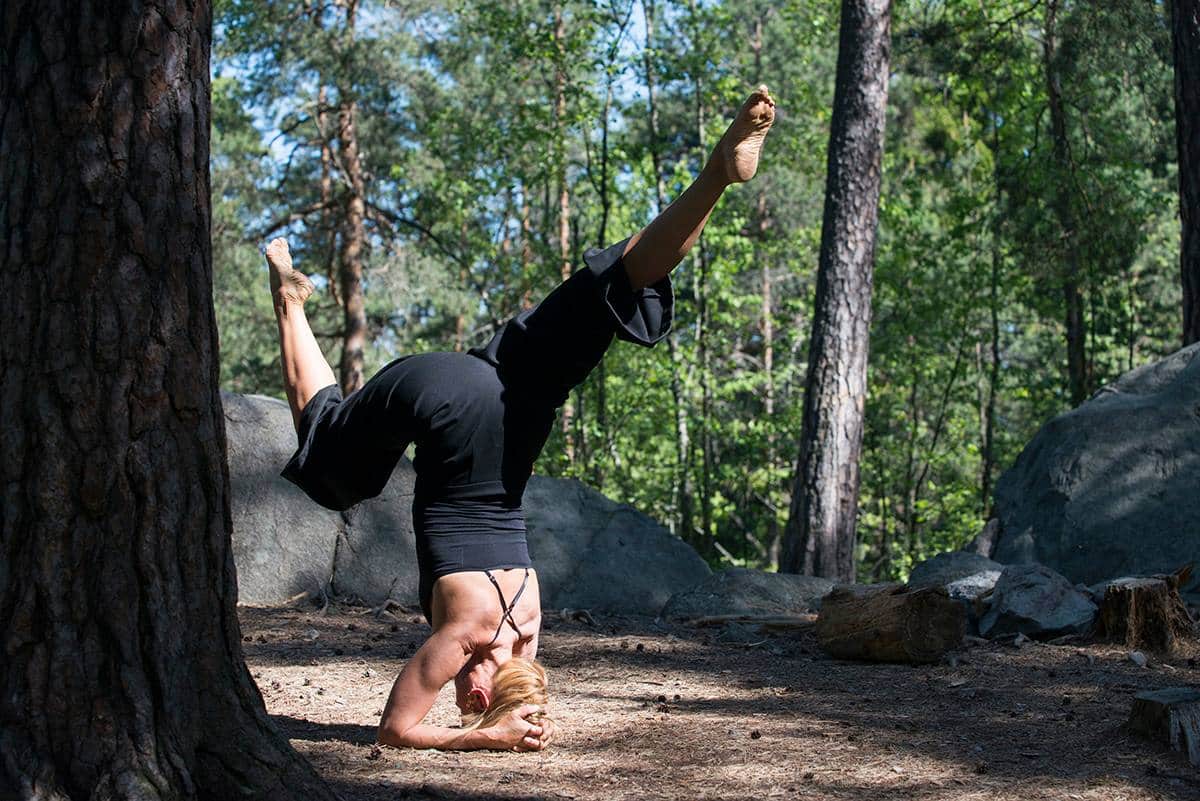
x=479 y=420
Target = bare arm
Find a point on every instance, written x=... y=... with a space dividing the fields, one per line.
x=415 y=690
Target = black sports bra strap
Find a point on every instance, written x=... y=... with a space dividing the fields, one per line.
x=506 y=608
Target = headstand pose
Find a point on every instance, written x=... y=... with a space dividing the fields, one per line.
x=479 y=420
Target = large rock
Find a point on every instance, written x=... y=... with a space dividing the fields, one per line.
x=1035 y=601
x=1110 y=488
x=283 y=543
x=594 y=553
x=739 y=591
x=376 y=551
x=590 y=551
x=955 y=567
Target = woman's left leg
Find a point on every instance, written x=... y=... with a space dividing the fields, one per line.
x=305 y=371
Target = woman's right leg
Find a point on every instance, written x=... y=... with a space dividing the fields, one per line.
x=659 y=247
x=305 y=371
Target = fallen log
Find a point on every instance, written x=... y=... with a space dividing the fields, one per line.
x=1171 y=716
x=890 y=623
x=1147 y=613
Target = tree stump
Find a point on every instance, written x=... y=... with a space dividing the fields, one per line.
x=1146 y=613
x=890 y=623
x=1171 y=716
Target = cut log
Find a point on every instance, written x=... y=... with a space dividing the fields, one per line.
x=1146 y=613
x=890 y=623
x=1171 y=716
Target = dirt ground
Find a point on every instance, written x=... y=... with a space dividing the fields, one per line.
x=650 y=710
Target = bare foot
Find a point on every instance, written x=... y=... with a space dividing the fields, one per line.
x=741 y=145
x=287 y=283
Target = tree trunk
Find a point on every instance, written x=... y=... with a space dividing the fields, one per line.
x=1186 y=37
x=767 y=331
x=684 y=492
x=820 y=534
x=354 y=234
x=1077 y=372
x=122 y=674
x=564 y=197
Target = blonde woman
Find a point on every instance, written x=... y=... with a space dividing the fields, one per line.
x=479 y=421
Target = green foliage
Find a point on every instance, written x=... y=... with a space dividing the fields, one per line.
x=466 y=153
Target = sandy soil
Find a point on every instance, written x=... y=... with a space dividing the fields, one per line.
x=652 y=710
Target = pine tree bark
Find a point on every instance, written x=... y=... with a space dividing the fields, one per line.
x=820 y=535
x=122 y=674
x=354 y=233
x=1186 y=38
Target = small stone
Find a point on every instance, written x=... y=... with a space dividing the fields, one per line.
x=309 y=634
x=641 y=647
x=1138 y=658
x=369 y=674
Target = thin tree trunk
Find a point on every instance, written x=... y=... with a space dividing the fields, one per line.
x=988 y=455
x=767 y=330
x=820 y=534
x=684 y=491
x=1186 y=39
x=354 y=235
x=122 y=674
x=700 y=288
x=564 y=199
x=1077 y=373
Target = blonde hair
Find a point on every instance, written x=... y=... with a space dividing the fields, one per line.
x=518 y=682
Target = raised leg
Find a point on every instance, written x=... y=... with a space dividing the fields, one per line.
x=660 y=246
x=305 y=371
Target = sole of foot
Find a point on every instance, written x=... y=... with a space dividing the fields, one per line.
x=287 y=283
x=742 y=143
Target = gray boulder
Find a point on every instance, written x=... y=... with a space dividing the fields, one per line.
x=1109 y=489
x=375 y=558
x=1035 y=601
x=590 y=551
x=594 y=553
x=955 y=567
x=283 y=543
x=974 y=586
x=739 y=591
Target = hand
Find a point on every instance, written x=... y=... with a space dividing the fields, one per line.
x=515 y=733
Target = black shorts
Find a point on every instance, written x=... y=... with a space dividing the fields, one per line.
x=478 y=419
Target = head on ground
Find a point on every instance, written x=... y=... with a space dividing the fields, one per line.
x=487 y=696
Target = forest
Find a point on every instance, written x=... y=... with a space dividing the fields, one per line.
x=440 y=166
x=901 y=506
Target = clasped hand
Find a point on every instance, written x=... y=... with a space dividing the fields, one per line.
x=515 y=732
